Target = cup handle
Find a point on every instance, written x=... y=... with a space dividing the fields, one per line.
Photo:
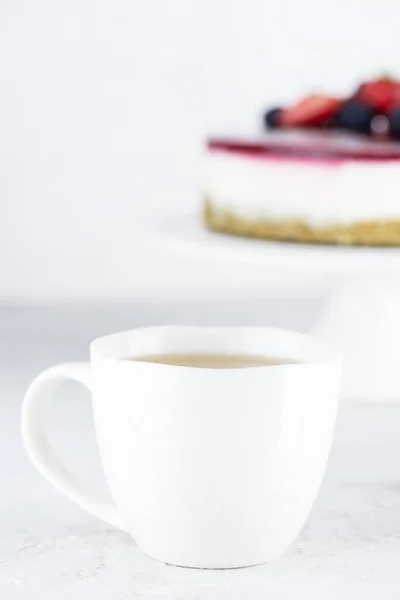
x=33 y=426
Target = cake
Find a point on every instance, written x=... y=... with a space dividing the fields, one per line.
x=326 y=171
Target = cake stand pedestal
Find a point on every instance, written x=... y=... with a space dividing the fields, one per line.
x=361 y=315
x=362 y=318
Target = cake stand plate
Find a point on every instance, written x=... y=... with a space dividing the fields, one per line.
x=361 y=315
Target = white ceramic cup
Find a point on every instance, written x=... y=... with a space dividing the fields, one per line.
x=210 y=468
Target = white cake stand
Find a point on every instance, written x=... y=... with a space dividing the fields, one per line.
x=361 y=315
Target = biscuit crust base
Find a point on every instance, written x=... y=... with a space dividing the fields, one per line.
x=363 y=233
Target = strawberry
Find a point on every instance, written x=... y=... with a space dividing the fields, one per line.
x=380 y=94
x=395 y=101
x=313 y=110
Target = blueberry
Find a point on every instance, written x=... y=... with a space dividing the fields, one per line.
x=394 y=123
x=355 y=116
x=271 y=117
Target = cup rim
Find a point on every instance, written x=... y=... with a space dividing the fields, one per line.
x=109 y=347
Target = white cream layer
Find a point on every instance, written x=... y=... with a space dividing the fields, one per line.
x=320 y=193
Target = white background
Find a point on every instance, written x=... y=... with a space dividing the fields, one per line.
x=103 y=109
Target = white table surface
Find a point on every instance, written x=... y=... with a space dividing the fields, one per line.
x=51 y=549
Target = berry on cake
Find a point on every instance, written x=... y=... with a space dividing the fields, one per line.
x=327 y=170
